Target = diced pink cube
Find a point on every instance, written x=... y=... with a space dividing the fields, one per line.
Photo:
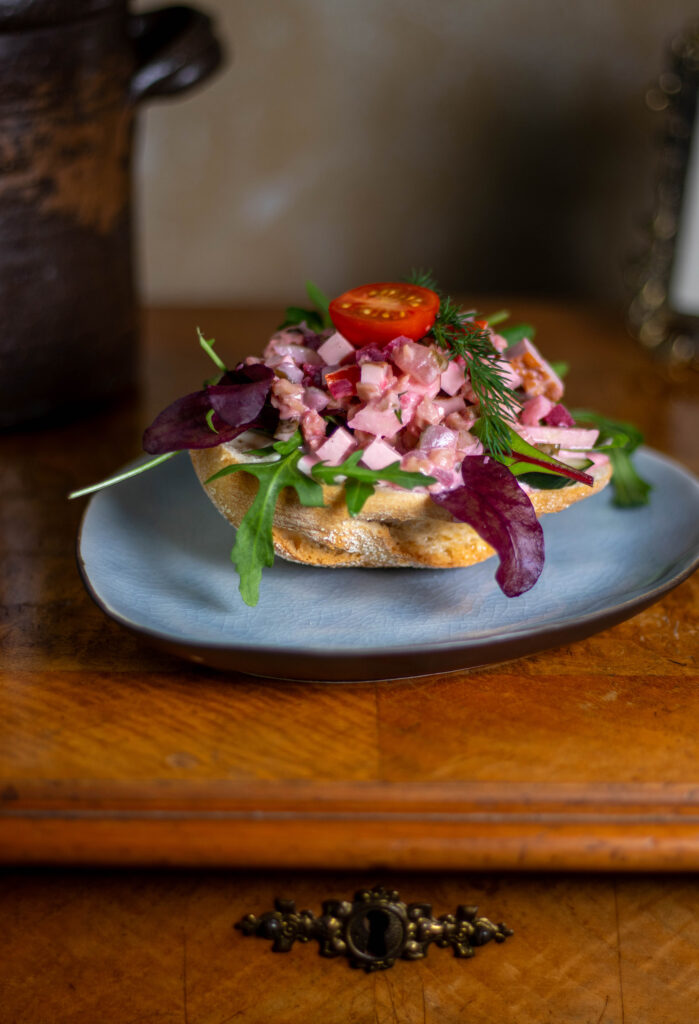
x=452 y=380
x=337 y=447
x=378 y=455
x=335 y=349
x=535 y=409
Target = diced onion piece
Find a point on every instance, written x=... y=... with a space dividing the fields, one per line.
x=437 y=436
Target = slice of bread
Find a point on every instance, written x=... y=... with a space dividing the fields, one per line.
x=395 y=527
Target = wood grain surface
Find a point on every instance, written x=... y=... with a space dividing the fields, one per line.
x=127 y=947
x=113 y=753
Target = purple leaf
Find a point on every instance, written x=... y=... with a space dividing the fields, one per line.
x=246 y=372
x=184 y=425
x=493 y=503
x=238 y=402
x=241 y=403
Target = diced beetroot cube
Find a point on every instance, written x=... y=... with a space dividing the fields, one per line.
x=558 y=416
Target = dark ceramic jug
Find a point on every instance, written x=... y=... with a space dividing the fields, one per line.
x=72 y=73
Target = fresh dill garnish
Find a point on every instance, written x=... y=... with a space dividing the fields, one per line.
x=423 y=279
x=497 y=401
x=459 y=334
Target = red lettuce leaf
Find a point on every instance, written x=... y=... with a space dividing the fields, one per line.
x=493 y=503
x=184 y=424
x=242 y=401
x=238 y=403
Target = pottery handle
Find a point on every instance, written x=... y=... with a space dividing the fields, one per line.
x=176 y=48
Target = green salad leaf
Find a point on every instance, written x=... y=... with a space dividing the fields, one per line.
x=126 y=475
x=360 y=481
x=254 y=544
x=254 y=547
x=516 y=333
x=621 y=440
x=317 y=318
x=548 y=482
x=497 y=318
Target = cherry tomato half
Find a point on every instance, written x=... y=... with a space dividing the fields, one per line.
x=374 y=314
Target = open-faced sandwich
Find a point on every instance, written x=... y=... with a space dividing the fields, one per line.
x=389 y=427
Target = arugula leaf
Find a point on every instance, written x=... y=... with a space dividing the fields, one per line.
x=254 y=546
x=560 y=369
x=121 y=476
x=360 y=481
x=295 y=315
x=515 y=333
x=621 y=439
x=320 y=301
x=356 y=494
x=613 y=433
x=630 y=489
x=497 y=318
x=316 y=319
x=208 y=347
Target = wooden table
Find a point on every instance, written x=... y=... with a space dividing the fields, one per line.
x=579 y=758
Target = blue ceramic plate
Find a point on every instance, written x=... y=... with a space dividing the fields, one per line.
x=154 y=554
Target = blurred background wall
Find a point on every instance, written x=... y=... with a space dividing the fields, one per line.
x=503 y=143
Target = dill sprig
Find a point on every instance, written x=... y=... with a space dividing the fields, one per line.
x=458 y=333
x=423 y=279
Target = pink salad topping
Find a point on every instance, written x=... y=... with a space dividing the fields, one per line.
x=407 y=402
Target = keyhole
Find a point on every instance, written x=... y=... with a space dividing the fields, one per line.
x=378 y=923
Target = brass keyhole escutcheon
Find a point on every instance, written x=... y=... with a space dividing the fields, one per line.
x=375 y=929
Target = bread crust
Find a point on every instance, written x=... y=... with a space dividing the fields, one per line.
x=395 y=527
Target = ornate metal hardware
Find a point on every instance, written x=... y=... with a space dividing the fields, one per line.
x=375 y=930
